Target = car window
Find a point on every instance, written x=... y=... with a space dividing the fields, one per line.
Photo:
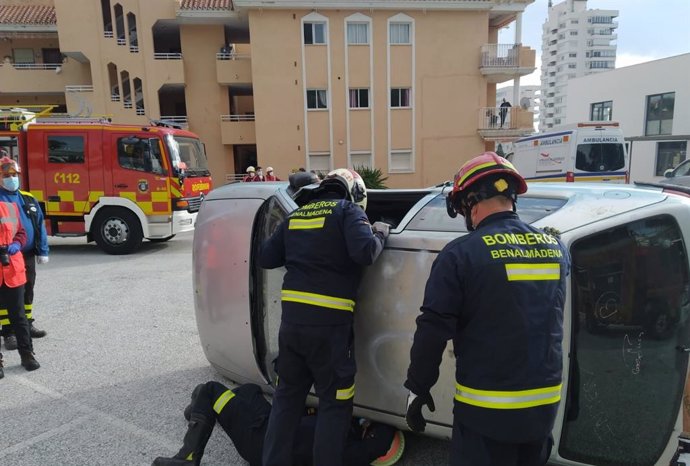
x=434 y=216
x=683 y=169
x=629 y=316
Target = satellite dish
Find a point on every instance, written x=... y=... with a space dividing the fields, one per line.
x=525 y=103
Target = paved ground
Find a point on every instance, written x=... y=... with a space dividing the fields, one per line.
x=119 y=362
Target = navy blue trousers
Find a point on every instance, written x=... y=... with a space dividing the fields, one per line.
x=322 y=356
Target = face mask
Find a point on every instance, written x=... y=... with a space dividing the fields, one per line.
x=11 y=183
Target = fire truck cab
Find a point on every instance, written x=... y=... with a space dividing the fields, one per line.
x=115 y=184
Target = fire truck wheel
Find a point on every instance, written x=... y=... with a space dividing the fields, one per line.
x=117 y=231
x=161 y=240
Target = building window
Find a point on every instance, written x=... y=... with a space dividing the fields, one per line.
x=314 y=33
x=659 y=113
x=401 y=161
x=357 y=33
x=572 y=55
x=317 y=99
x=320 y=162
x=360 y=159
x=601 y=111
x=359 y=98
x=400 y=33
x=23 y=56
x=66 y=149
x=400 y=97
x=670 y=155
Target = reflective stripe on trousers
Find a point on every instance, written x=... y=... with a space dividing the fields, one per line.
x=320 y=300
x=517 y=399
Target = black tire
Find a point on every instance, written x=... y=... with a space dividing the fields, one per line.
x=659 y=324
x=117 y=231
x=161 y=240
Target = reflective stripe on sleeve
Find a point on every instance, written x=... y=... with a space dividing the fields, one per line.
x=529 y=272
x=320 y=300
x=306 y=223
x=223 y=400
x=508 y=399
x=345 y=393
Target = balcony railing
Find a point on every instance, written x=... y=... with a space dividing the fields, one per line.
x=134 y=49
x=127 y=104
x=108 y=34
x=141 y=111
x=121 y=41
x=37 y=66
x=79 y=88
x=178 y=119
x=232 y=56
x=114 y=97
x=167 y=56
x=500 y=55
x=505 y=119
x=250 y=117
x=234 y=177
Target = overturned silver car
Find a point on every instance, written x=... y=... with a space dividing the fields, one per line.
x=626 y=395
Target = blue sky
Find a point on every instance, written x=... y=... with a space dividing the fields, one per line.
x=647 y=30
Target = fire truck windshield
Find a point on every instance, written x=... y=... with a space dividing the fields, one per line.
x=187 y=154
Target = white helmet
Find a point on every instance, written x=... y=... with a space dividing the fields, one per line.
x=250 y=169
x=351 y=185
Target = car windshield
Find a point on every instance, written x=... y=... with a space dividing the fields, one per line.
x=434 y=217
x=600 y=157
x=187 y=154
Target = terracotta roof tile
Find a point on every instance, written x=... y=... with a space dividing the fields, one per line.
x=206 y=4
x=27 y=14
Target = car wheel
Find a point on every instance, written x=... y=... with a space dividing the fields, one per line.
x=161 y=240
x=117 y=231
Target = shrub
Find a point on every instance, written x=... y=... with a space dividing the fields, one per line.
x=373 y=177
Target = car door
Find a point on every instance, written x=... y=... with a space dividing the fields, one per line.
x=69 y=156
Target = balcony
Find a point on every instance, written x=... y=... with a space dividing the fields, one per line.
x=169 y=69
x=516 y=123
x=233 y=68
x=50 y=78
x=237 y=129
x=503 y=62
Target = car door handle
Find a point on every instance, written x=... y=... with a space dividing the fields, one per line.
x=53 y=198
x=121 y=185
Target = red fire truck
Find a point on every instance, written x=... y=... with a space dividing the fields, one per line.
x=115 y=184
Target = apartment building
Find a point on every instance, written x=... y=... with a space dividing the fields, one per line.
x=653 y=110
x=575 y=42
x=408 y=87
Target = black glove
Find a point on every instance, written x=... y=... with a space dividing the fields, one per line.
x=415 y=419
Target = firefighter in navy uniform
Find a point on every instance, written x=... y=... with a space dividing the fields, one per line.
x=498 y=292
x=243 y=413
x=324 y=246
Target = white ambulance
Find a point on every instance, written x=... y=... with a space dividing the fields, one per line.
x=591 y=151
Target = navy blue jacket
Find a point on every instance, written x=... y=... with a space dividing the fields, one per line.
x=36 y=239
x=324 y=246
x=499 y=293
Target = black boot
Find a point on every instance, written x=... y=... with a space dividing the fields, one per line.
x=2 y=373
x=10 y=342
x=198 y=432
x=35 y=332
x=28 y=360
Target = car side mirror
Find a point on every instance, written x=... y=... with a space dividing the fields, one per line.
x=669 y=173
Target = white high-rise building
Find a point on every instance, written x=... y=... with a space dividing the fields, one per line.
x=575 y=42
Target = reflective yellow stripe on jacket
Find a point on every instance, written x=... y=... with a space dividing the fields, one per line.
x=306 y=223
x=223 y=400
x=508 y=399
x=529 y=272
x=320 y=300
x=345 y=393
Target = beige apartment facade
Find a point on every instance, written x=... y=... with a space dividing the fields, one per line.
x=407 y=87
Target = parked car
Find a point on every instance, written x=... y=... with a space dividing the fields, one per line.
x=679 y=175
x=625 y=324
